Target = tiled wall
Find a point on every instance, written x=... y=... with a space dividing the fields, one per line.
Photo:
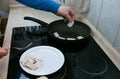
x=4 y=7
x=117 y=41
x=105 y=15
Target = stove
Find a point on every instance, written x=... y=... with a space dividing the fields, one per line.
x=89 y=62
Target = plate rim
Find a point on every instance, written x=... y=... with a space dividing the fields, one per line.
x=44 y=46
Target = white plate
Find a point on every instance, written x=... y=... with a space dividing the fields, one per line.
x=52 y=58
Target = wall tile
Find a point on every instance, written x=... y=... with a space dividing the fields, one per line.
x=109 y=19
x=4 y=7
x=94 y=12
x=117 y=41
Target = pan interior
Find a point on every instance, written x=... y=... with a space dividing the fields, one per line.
x=78 y=29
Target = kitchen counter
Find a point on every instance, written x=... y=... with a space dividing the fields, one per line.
x=16 y=20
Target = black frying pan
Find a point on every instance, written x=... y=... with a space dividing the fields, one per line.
x=60 y=26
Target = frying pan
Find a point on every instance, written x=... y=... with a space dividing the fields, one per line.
x=60 y=26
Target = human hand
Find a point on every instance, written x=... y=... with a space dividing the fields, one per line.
x=3 y=52
x=66 y=12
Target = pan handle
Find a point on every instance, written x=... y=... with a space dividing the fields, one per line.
x=44 y=24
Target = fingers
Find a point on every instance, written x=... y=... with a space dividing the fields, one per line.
x=67 y=13
x=68 y=17
x=71 y=15
x=3 y=52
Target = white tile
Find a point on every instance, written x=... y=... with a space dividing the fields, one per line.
x=117 y=41
x=4 y=7
x=110 y=19
x=94 y=12
x=4 y=1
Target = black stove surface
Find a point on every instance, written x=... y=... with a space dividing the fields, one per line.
x=24 y=38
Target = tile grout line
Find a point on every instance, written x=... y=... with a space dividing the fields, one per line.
x=100 y=14
x=116 y=36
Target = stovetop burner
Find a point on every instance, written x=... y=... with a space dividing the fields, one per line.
x=34 y=33
x=26 y=37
